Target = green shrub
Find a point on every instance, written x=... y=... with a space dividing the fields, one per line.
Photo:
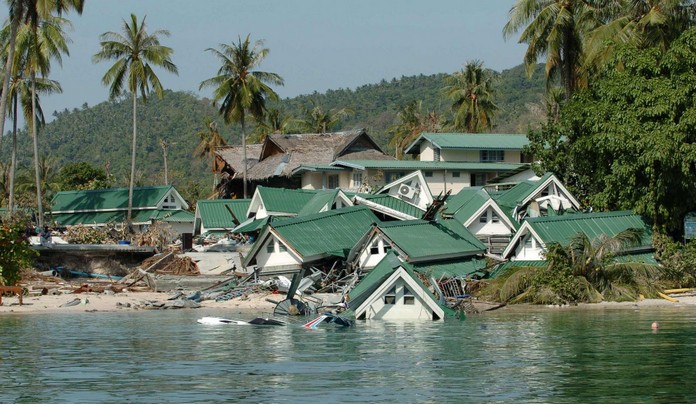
x=15 y=252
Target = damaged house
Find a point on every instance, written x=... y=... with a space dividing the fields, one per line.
x=273 y=163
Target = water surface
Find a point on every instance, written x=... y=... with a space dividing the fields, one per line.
x=504 y=356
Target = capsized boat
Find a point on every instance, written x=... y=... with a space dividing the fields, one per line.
x=323 y=318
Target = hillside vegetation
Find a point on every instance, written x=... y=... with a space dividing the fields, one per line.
x=101 y=134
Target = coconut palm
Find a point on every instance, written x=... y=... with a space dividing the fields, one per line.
x=411 y=123
x=31 y=12
x=135 y=52
x=318 y=120
x=210 y=140
x=471 y=91
x=241 y=88
x=36 y=46
x=555 y=29
x=275 y=121
x=584 y=270
x=641 y=23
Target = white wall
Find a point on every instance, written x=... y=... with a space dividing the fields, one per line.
x=489 y=228
x=367 y=259
x=311 y=180
x=277 y=258
x=528 y=253
x=426 y=151
x=378 y=310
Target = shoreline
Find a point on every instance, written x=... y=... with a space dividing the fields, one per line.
x=142 y=301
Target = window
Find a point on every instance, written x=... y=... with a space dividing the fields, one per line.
x=484 y=218
x=528 y=242
x=408 y=297
x=478 y=179
x=270 y=247
x=169 y=202
x=495 y=218
x=390 y=297
x=455 y=174
x=428 y=174
x=374 y=248
x=436 y=154
x=357 y=179
x=492 y=155
x=282 y=247
x=526 y=158
x=333 y=181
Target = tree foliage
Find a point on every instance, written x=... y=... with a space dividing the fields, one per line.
x=629 y=141
x=82 y=176
x=15 y=252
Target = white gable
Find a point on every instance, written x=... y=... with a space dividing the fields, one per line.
x=400 y=297
x=411 y=188
x=373 y=251
x=525 y=245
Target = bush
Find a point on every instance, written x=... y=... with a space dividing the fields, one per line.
x=15 y=252
x=678 y=261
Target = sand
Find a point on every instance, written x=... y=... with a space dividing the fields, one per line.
x=138 y=301
x=124 y=301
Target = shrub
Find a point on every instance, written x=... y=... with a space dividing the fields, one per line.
x=15 y=252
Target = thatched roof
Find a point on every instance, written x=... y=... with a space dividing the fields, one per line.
x=279 y=155
x=232 y=156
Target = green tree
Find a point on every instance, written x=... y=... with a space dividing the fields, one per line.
x=585 y=270
x=45 y=40
x=210 y=140
x=15 y=252
x=411 y=122
x=629 y=141
x=315 y=119
x=275 y=121
x=555 y=29
x=135 y=52
x=31 y=12
x=241 y=88
x=471 y=91
x=640 y=23
x=81 y=176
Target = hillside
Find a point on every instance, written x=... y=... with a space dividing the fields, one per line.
x=101 y=134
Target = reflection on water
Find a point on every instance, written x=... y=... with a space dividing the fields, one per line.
x=505 y=356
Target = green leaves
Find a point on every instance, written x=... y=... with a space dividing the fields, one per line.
x=14 y=252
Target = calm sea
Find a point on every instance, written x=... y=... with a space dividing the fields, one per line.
x=505 y=356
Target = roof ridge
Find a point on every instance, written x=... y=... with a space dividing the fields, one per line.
x=578 y=216
x=113 y=189
x=321 y=215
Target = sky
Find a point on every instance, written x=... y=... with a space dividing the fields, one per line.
x=315 y=45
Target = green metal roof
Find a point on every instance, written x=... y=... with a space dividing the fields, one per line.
x=475 y=141
x=285 y=200
x=465 y=203
x=641 y=258
x=119 y=216
x=561 y=229
x=421 y=240
x=316 y=168
x=394 y=203
x=214 y=215
x=425 y=165
x=515 y=195
x=333 y=232
x=463 y=268
x=318 y=202
x=101 y=199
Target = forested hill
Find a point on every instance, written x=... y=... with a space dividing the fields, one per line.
x=101 y=134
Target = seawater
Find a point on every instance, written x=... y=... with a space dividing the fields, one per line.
x=543 y=355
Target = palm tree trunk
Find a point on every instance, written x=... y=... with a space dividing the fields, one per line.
x=129 y=217
x=34 y=133
x=244 y=157
x=13 y=165
x=8 y=71
x=166 y=177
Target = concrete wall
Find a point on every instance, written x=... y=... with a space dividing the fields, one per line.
x=426 y=151
x=443 y=182
x=311 y=180
x=511 y=156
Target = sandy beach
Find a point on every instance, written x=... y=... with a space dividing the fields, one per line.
x=141 y=301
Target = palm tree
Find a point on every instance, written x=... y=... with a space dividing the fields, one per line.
x=585 y=269
x=555 y=29
x=471 y=90
x=411 y=123
x=242 y=89
x=210 y=140
x=36 y=45
x=642 y=23
x=28 y=11
x=275 y=121
x=135 y=52
x=317 y=120
x=165 y=145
